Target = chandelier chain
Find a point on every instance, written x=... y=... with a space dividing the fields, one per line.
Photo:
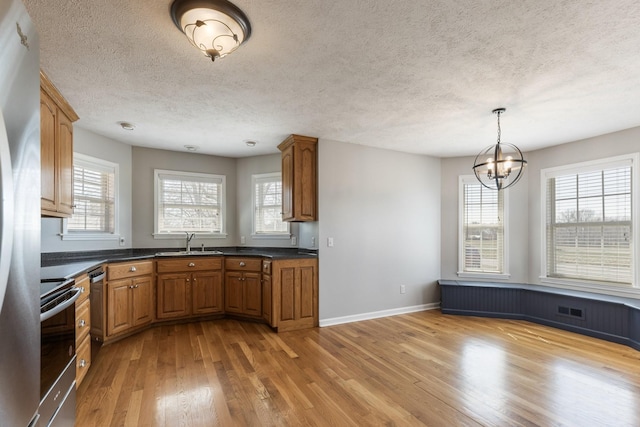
x=499 y=130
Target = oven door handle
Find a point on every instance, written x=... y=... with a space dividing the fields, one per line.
x=61 y=307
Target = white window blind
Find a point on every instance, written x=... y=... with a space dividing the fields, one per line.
x=192 y=202
x=267 y=202
x=482 y=229
x=589 y=224
x=94 y=187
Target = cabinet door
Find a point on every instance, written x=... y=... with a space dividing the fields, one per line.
x=47 y=152
x=141 y=300
x=118 y=306
x=252 y=294
x=233 y=292
x=296 y=289
x=305 y=188
x=206 y=290
x=64 y=153
x=287 y=183
x=172 y=295
x=266 y=299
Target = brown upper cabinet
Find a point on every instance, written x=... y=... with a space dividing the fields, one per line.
x=299 y=178
x=56 y=151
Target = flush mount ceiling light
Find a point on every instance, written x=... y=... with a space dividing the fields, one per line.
x=191 y=147
x=499 y=166
x=250 y=143
x=127 y=125
x=216 y=27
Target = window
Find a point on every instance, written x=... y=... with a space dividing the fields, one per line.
x=589 y=222
x=267 y=206
x=95 y=182
x=482 y=230
x=191 y=202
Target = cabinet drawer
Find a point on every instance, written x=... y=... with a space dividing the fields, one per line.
x=83 y=360
x=83 y=320
x=242 y=264
x=194 y=263
x=129 y=269
x=82 y=283
x=266 y=266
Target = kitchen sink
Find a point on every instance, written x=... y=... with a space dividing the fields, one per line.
x=189 y=253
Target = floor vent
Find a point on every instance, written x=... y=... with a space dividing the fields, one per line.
x=571 y=312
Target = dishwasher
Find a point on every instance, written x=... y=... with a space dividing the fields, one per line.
x=97 y=298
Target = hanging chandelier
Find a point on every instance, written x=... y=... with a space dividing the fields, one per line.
x=501 y=165
x=215 y=27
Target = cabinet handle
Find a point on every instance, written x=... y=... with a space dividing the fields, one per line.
x=187 y=280
x=242 y=264
x=194 y=279
x=133 y=268
x=82 y=363
x=130 y=286
x=191 y=264
x=136 y=286
x=82 y=323
x=82 y=289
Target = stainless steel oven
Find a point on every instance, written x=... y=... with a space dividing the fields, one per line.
x=57 y=353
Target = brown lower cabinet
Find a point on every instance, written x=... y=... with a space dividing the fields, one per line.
x=282 y=292
x=243 y=286
x=129 y=296
x=189 y=286
x=294 y=294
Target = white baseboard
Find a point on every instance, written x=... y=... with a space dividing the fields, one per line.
x=378 y=314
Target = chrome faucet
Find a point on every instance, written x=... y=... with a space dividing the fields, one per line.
x=189 y=237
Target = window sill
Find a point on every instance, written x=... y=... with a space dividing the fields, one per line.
x=496 y=276
x=628 y=291
x=183 y=235
x=89 y=236
x=284 y=236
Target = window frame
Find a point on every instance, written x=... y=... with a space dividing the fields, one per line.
x=471 y=179
x=262 y=235
x=97 y=163
x=632 y=160
x=185 y=176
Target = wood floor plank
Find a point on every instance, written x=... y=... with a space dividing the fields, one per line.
x=417 y=369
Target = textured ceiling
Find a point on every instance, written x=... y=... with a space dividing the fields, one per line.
x=418 y=76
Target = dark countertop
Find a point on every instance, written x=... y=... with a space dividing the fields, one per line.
x=64 y=265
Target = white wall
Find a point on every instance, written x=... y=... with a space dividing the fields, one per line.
x=246 y=167
x=95 y=145
x=382 y=208
x=145 y=160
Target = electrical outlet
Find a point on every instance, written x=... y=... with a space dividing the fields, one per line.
x=403 y=289
x=122 y=241
x=243 y=240
x=313 y=242
x=294 y=240
x=330 y=242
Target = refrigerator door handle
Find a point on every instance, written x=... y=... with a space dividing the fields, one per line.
x=6 y=210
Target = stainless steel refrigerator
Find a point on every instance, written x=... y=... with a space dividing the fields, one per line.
x=19 y=216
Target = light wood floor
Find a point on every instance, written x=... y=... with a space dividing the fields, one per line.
x=417 y=369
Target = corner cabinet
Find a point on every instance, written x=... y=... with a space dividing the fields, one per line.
x=299 y=178
x=56 y=151
x=294 y=294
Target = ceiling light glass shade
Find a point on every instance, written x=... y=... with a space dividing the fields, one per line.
x=215 y=27
x=501 y=165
